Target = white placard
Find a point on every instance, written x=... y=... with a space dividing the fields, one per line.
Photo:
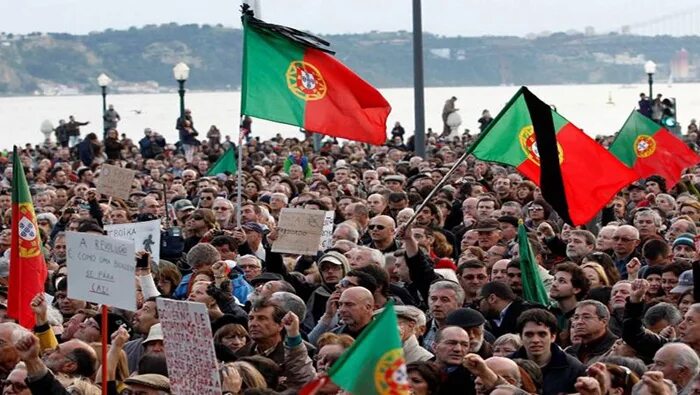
x=327 y=233
x=189 y=347
x=101 y=270
x=299 y=231
x=144 y=235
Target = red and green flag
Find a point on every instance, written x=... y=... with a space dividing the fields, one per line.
x=648 y=148
x=374 y=364
x=27 y=266
x=287 y=78
x=225 y=164
x=577 y=176
x=533 y=287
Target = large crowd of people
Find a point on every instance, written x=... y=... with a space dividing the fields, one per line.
x=622 y=316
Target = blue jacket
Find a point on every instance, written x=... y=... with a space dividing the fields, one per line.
x=241 y=288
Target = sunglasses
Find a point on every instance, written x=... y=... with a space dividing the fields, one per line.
x=345 y=283
x=378 y=227
x=197 y=217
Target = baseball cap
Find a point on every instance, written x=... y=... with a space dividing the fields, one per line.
x=487 y=225
x=685 y=282
x=395 y=177
x=636 y=185
x=183 y=204
x=335 y=258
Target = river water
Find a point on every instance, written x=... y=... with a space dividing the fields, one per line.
x=597 y=109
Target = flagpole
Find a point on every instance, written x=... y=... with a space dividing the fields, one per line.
x=463 y=158
x=239 y=172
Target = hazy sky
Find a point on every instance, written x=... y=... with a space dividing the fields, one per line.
x=445 y=17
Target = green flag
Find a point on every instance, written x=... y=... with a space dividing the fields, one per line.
x=375 y=363
x=226 y=163
x=533 y=288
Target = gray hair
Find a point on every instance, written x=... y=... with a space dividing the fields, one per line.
x=649 y=213
x=662 y=311
x=508 y=338
x=54 y=316
x=352 y=233
x=290 y=302
x=446 y=284
x=203 y=254
x=249 y=256
x=280 y=196
x=601 y=310
x=684 y=357
x=226 y=201
x=376 y=256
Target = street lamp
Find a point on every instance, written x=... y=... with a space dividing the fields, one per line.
x=103 y=81
x=181 y=72
x=650 y=69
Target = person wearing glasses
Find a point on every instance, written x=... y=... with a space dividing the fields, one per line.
x=625 y=242
x=15 y=383
x=381 y=230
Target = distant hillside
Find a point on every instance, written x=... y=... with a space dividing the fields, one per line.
x=142 y=59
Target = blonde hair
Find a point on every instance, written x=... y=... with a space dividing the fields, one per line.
x=598 y=269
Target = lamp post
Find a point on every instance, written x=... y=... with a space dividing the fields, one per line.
x=103 y=81
x=418 y=98
x=650 y=69
x=181 y=72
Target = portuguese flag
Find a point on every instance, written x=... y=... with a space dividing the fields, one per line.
x=374 y=364
x=288 y=79
x=533 y=288
x=650 y=149
x=577 y=176
x=226 y=163
x=27 y=267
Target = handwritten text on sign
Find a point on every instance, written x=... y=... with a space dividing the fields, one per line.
x=299 y=231
x=144 y=235
x=189 y=347
x=101 y=270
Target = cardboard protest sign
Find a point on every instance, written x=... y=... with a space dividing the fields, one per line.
x=101 y=270
x=189 y=347
x=299 y=231
x=327 y=233
x=115 y=181
x=144 y=235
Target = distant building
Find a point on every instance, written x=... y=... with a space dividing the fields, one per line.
x=680 y=64
x=589 y=31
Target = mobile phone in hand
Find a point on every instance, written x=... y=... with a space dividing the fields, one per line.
x=143 y=260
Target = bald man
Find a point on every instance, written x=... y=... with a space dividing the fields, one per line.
x=355 y=308
x=381 y=231
x=492 y=372
x=377 y=204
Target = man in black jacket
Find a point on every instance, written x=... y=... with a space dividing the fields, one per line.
x=451 y=346
x=538 y=329
x=501 y=308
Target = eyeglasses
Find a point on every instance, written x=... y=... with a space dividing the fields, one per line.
x=196 y=217
x=345 y=283
x=377 y=227
x=17 y=386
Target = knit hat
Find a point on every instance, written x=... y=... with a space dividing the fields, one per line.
x=685 y=239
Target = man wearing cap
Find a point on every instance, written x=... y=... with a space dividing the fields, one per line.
x=684 y=248
x=183 y=208
x=489 y=232
x=473 y=323
x=636 y=192
x=685 y=283
x=408 y=318
x=147 y=384
x=254 y=241
x=332 y=267
x=395 y=182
